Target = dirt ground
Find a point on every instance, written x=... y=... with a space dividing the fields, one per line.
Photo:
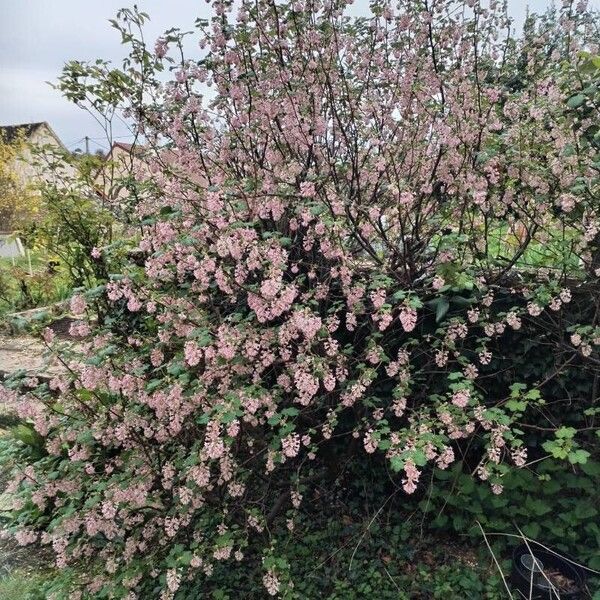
x=28 y=353
x=21 y=352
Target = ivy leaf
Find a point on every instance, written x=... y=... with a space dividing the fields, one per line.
x=584 y=510
x=442 y=308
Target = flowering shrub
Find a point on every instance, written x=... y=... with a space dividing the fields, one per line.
x=334 y=244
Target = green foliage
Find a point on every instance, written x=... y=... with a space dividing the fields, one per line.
x=556 y=504
x=72 y=226
x=23 y=585
x=342 y=559
x=563 y=446
x=22 y=289
x=336 y=551
x=18 y=204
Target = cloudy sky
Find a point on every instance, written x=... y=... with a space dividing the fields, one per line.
x=38 y=36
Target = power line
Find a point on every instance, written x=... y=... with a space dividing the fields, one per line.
x=75 y=142
x=97 y=141
x=98 y=144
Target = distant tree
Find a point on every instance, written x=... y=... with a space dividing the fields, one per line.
x=73 y=223
x=18 y=204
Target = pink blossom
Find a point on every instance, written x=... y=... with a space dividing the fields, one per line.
x=438 y=282
x=78 y=304
x=461 y=398
x=555 y=304
x=519 y=456
x=513 y=320
x=534 y=309
x=271 y=583
x=409 y=483
x=192 y=353
x=408 y=318
x=48 y=335
x=378 y=298
x=24 y=537
x=291 y=445
x=307 y=189
x=370 y=442
x=160 y=49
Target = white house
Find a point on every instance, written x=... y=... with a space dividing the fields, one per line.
x=40 y=159
x=41 y=155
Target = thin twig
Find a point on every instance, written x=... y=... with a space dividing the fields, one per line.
x=495 y=560
x=368 y=527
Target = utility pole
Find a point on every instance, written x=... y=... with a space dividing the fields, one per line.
x=87 y=144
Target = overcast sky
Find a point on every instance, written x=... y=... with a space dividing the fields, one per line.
x=38 y=36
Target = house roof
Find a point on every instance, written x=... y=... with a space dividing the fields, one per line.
x=10 y=132
x=136 y=149
x=123 y=145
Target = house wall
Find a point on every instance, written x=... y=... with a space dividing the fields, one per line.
x=120 y=164
x=41 y=161
x=33 y=168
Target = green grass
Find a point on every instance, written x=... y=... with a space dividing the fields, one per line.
x=22 y=289
x=22 y=585
x=556 y=251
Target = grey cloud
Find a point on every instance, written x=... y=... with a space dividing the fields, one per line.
x=38 y=36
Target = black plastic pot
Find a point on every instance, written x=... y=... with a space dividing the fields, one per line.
x=531 y=563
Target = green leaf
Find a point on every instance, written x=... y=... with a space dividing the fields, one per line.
x=537 y=507
x=591 y=468
x=532 y=529
x=290 y=412
x=466 y=485
x=442 y=308
x=555 y=449
x=594 y=563
x=461 y=301
x=576 y=101
x=397 y=463
x=516 y=389
x=516 y=405
x=578 y=457
x=566 y=432
x=202 y=337
x=584 y=510
x=419 y=458
x=274 y=419
x=533 y=394
x=228 y=417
